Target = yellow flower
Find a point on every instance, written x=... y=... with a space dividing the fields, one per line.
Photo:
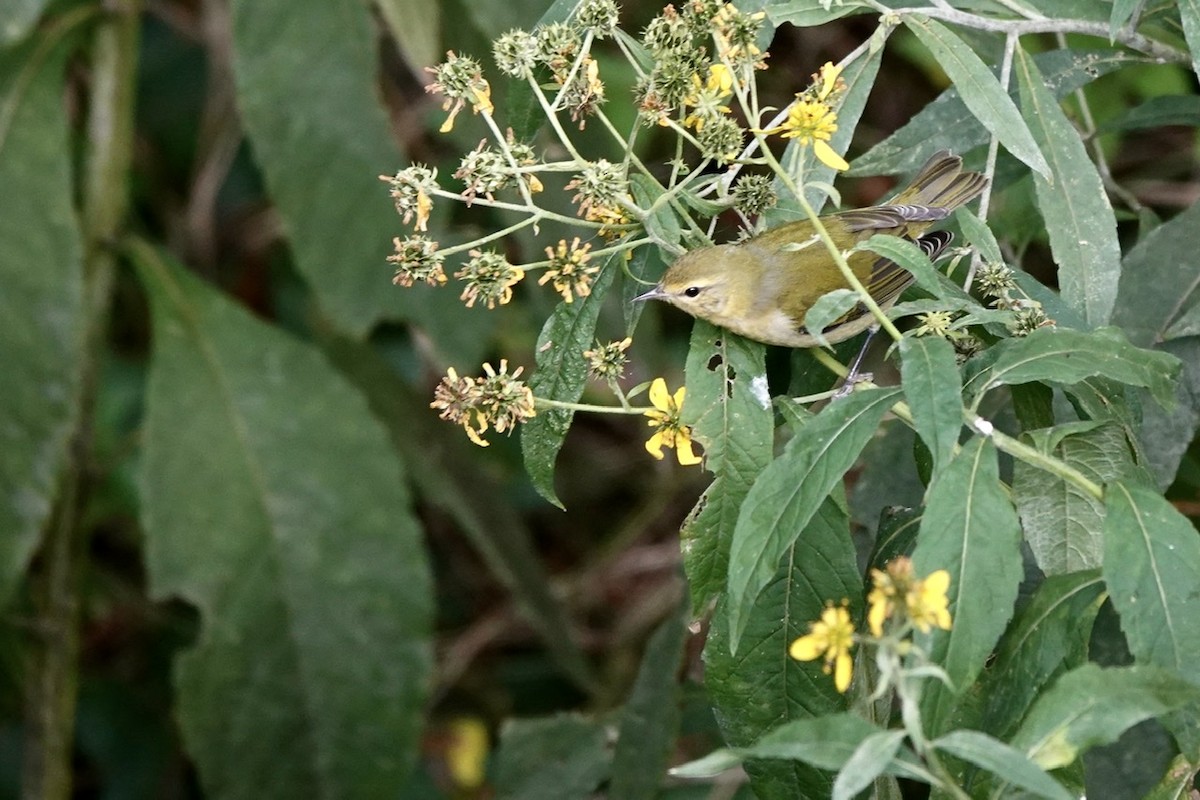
x=832 y=636
x=467 y=752
x=881 y=600
x=708 y=98
x=670 y=432
x=569 y=271
x=828 y=78
x=927 y=602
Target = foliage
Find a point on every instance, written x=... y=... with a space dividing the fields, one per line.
x=247 y=470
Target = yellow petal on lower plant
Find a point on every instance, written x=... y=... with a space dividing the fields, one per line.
x=679 y=396
x=654 y=445
x=807 y=648
x=683 y=451
x=842 y=671
x=828 y=156
x=878 y=613
x=467 y=752
x=535 y=185
x=659 y=396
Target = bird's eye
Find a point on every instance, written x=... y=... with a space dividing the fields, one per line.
x=691 y=291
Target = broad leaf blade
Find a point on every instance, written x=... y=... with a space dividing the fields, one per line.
x=1189 y=15
x=272 y=502
x=1090 y=706
x=416 y=26
x=932 y=386
x=729 y=408
x=761 y=687
x=551 y=758
x=305 y=72
x=869 y=760
x=789 y=491
x=1000 y=759
x=971 y=530
x=18 y=18
x=561 y=374
x=980 y=90
x=1074 y=203
x=41 y=304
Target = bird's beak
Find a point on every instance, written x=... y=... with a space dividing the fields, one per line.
x=656 y=293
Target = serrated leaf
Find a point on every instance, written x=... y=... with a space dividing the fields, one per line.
x=932 y=385
x=561 y=374
x=650 y=718
x=551 y=758
x=1152 y=568
x=1063 y=524
x=729 y=408
x=980 y=91
x=1000 y=759
x=761 y=687
x=320 y=135
x=787 y=493
x=947 y=124
x=1062 y=357
x=828 y=308
x=279 y=511
x=1048 y=637
x=971 y=530
x=1160 y=279
x=41 y=305
x=1091 y=705
x=872 y=756
x=1073 y=202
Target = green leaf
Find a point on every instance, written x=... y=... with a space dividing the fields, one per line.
x=980 y=91
x=646 y=264
x=41 y=304
x=826 y=742
x=272 y=502
x=761 y=687
x=1048 y=637
x=1178 y=781
x=663 y=224
x=321 y=136
x=788 y=492
x=1189 y=15
x=416 y=26
x=1164 y=435
x=650 y=718
x=869 y=760
x=1074 y=203
x=708 y=766
x=997 y=757
x=551 y=758
x=1091 y=706
x=561 y=375
x=932 y=386
x=947 y=124
x=1152 y=568
x=450 y=479
x=913 y=259
x=980 y=235
x=729 y=408
x=1062 y=357
x=1064 y=524
x=1160 y=280
x=1123 y=11
x=1173 y=109
x=828 y=308
x=971 y=530
x=806 y=13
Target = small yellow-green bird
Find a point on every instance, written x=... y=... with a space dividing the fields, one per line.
x=762 y=288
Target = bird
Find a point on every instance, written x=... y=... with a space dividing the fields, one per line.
x=762 y=287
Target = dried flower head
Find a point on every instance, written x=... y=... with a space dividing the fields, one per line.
x=720 y=140
x=667 y=33
x=461 y=80
x=558 y=45
x=995 y=279
x=607 y=361
x=668 y=84
x=499 y=401
x=410 y=191
x=753 y=194
x=569 y=270
x=600 y=184
x=599 y=16
x=417 y=260
x=483 y=171
x=699 y=15
x=736 y=34
x=1028 y=316
x=585 y=93
x=489 y=278
x=516 y=53
x=708 y=98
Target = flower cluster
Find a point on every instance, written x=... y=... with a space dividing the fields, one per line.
x=998 y=282
x=499 y=401
x=811 y=118
x=607 y=361
x=569 y=270
x=896 y=595
x=669 y=431
x=489 y=278
x=417 y=261
x=411 y=191
x=460 y=79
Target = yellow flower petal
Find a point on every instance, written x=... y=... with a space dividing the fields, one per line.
x=937 y=584
x=828 y=156
x=679 y=396
x=878 y=612
x=659 y=396
x=683 y=451
x=829 y=76
x=842 y=671
x=654 y=445
x=807 y=648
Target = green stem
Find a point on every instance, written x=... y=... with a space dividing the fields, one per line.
x=500 y=234
x=56 y=587
x=630 y=410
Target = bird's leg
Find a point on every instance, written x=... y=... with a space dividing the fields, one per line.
x=853 y=376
